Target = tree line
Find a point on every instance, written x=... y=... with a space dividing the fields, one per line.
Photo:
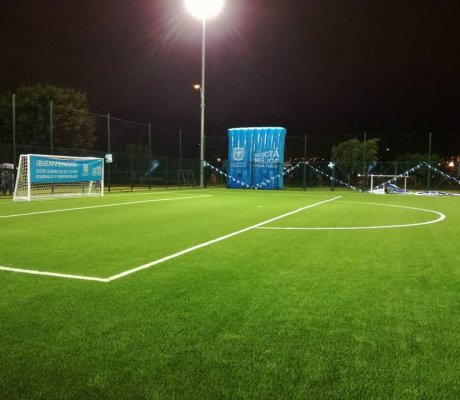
x=38 y=111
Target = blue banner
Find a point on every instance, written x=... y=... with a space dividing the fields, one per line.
x=45 y=169
x=256 y=157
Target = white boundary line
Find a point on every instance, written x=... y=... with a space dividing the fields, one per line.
x=185 y=192
x=103 y=205
x=171 y=256
x=55 y=274
x=440 y=218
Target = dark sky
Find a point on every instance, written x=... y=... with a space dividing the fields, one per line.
x=316 y=66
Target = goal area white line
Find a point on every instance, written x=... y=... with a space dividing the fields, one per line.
x=167 y=258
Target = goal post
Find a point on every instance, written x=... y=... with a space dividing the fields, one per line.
x=48 y=176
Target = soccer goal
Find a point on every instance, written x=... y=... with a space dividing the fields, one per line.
x=389 y=184
x=47 y=177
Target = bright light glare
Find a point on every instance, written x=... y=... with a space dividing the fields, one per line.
x=204 y=9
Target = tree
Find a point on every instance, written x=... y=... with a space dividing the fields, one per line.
x=353 y=156
x=72 y=125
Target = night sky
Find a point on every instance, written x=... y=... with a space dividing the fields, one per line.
x=313 y=66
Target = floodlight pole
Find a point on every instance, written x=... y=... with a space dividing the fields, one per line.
x=203 y=9
x=202 y=145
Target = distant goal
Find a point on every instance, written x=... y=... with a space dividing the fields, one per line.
x=48 y=176
x=389 y=185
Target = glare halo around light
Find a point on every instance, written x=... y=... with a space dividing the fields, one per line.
x=204 y=9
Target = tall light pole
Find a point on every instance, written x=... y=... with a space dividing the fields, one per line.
x=203 y=9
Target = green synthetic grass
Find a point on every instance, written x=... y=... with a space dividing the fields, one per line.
x=266 y=314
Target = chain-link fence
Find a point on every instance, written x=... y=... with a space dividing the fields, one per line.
x=308 y=157
x=409 y=175
x=135 y=145
x=45 y=128
x=392 y=146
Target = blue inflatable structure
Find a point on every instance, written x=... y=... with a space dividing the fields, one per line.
x=256 y=157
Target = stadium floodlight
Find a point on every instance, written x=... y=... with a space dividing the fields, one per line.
x=203 y=9
x=48 y=176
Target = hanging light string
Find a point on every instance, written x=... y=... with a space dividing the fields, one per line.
x=266 y=182
x=286 y=171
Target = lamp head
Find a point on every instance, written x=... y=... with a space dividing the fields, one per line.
x=204 y=9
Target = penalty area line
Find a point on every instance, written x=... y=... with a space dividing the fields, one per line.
x=219 y=239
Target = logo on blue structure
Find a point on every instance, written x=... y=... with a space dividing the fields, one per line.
x=238 y=154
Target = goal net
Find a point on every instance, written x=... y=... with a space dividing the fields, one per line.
x=46 y=177
x=381 y=184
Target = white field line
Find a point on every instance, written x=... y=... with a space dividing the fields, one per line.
x=55 y=274
x=110 y=195
x=161 y=260
x=219 y=239
x=440 y=218
x=102 y=205
x=184 y=192
x=265 y=192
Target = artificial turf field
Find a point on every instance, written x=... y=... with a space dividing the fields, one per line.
x=194 y=295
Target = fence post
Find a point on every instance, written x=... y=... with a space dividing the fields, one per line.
x=364 y=177
x=333 y=178
x=166 y=169
x=13 y=107
x=132 y=171
x=180 y=158
x=428 y=176
x=109 y=175
x=304 y=181
x=51 y=128
x=150 y=154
